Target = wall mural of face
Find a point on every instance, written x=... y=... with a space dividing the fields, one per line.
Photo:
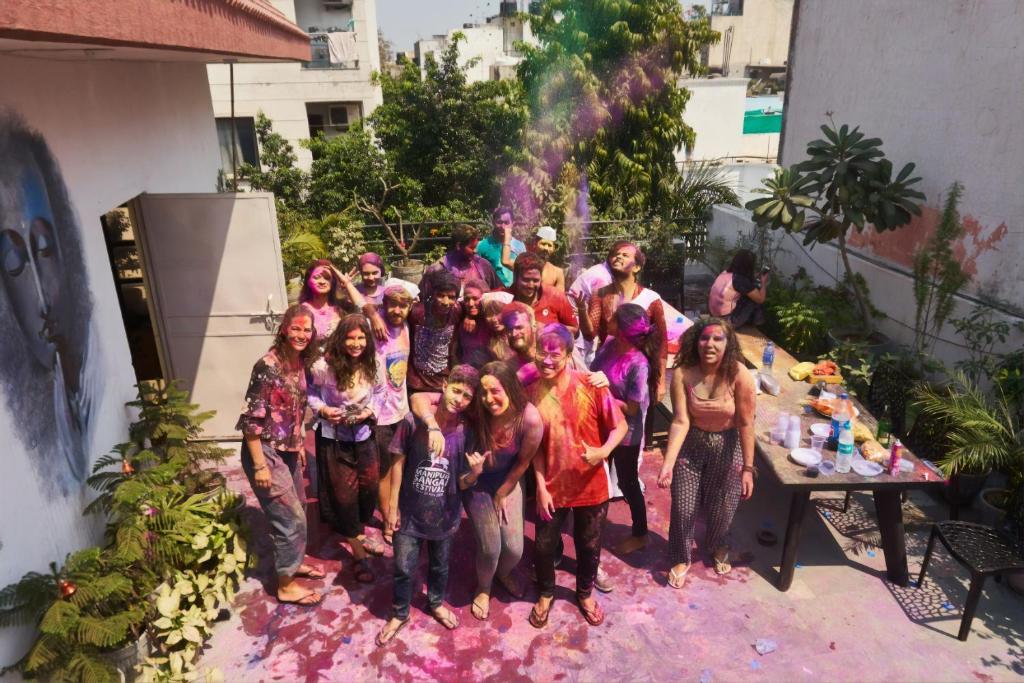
x=45 y=310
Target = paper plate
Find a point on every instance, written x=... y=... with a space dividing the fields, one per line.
x=821 y=429
x=805 y=456
x=866 y=468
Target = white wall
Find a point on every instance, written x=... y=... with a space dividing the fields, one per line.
x=715 y=112
x=116 y=129
x=760 y=35
x=933 y=80
x=484 y=44
x=282 y=90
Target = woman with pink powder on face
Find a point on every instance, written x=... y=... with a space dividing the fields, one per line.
x=709 y=459
x=631 y=362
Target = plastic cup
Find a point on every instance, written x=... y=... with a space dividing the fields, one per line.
x=778 y=436
x=783 y=421
x=818 y=443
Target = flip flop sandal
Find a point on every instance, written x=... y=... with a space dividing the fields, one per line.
x=538 y=621
x=383 y=637
x=311 y=599
x=722 y=566
x=677 y=579
x=362 y=571
x=446 y=618
x=479 y=611
x=310 y=573
x=594 y=616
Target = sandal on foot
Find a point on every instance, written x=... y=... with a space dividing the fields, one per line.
x=722 y=566
x=311 y=599
x=676 y=579
x=594 y=615
x=385 y=636
x=445 y=617
x=481 y=610
x=388 y=537
x=538 y=619
x=512 y=586
x=363 y=572
x=309 y=572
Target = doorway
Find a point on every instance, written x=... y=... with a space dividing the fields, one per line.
x=133 y=295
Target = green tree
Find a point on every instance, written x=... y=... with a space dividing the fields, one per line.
x=845 y=182
x=276 y=171
x=452 y=137
x=606 y=110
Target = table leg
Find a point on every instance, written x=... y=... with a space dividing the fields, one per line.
x=797 y=512
x=890 y=525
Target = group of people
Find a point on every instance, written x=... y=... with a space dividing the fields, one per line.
x=489 y=385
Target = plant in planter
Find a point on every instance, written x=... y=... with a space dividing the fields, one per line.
x=983 y=433
x=84 y=611
x=846 y=182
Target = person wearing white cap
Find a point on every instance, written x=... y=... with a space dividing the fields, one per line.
x=544 y=243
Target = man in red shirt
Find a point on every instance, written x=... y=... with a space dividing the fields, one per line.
x=582 y=424
x=549 y=305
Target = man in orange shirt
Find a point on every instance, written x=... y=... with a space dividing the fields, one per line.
x=582 y=425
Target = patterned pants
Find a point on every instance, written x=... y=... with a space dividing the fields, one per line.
x=499 y=547
x=587 y=525
x=353 y=475
x=283 y=504
x=707 y=478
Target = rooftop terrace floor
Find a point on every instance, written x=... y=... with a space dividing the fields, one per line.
x=840 y=621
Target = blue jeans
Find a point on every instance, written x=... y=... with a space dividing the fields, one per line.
x=283 y=504
x=407 y=558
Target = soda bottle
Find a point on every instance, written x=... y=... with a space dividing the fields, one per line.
x=895 y=455
x=844 y=452
x=768 y=358
x=842 y=418
x=884 y=427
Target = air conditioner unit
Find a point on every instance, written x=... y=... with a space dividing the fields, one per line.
x=337 y=115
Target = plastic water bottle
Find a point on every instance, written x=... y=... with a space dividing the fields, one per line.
x=768 y=358
x=844 y=454
x=842 y=418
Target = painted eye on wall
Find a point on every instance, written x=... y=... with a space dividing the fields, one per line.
x=43 y=243
x=13 y=253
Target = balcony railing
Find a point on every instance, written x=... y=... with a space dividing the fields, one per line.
x=335 y=50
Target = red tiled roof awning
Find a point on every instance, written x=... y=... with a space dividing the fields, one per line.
x=240 y=28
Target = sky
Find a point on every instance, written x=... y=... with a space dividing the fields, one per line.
x=406 y=21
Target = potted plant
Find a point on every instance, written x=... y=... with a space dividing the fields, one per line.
x=984 y=433
x=390 y=218
x=90 y=615
x=846 y=182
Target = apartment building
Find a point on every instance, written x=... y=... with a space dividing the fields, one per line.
x=323 y=95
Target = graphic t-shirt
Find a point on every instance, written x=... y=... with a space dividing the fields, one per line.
x=627 y=378
x=393 y=358
x=576 y=415
x=428 y=502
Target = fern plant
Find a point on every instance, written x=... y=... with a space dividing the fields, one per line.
x=86 y=608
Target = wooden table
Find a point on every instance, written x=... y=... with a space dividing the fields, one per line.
x=887 y=490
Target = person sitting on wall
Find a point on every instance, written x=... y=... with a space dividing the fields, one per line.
x=544 y=244
x=549 y=305
x=500 y=248
x=461 y=260
x=737 y=294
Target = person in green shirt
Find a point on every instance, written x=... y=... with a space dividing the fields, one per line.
x=500 y=247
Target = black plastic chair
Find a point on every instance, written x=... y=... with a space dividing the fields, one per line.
x=983 y=550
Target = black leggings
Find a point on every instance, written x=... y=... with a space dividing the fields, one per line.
x=626 y=460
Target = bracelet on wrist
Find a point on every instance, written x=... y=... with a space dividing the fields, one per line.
x=434 y=429
x=750 y=468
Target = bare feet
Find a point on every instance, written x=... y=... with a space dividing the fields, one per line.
x=631 y=545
